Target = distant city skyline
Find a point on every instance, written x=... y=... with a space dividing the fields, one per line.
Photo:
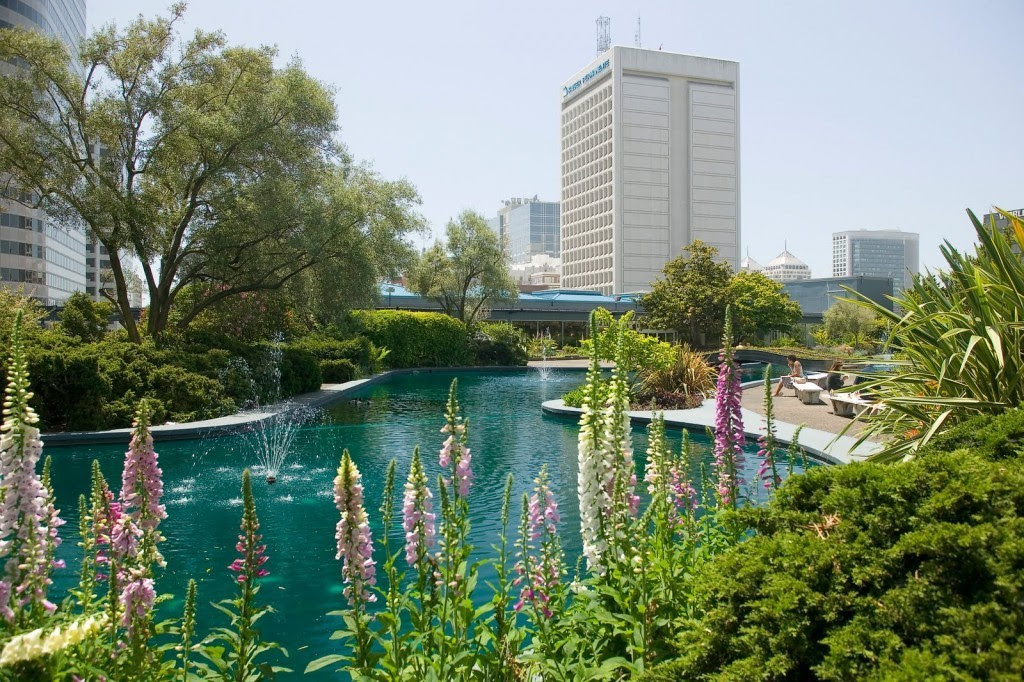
x=872 y=115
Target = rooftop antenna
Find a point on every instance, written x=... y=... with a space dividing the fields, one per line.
x=604 y=34
x=636 y=38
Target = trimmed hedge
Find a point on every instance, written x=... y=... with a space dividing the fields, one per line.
x=874 y=572
x=338 y=371
x=416 y=339
x=357 y=350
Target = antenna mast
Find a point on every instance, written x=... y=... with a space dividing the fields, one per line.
x=636 y=37
x=604 y=34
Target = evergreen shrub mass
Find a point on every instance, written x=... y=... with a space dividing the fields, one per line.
x=869 y=572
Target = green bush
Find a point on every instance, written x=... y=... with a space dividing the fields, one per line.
x=574 y=398
x=300 y=372
x=85 y=319
x=189 y=396
x=358 y=350
x=499 y=343
x=70 y=389
x=338 y=371
x=909 y=571
x=416 y=339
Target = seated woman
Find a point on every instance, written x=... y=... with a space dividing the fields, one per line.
x=835 y=376
x=796 y=371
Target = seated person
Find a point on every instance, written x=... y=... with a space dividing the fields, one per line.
x=796 y=371
x=866 y=394
x=835 y=376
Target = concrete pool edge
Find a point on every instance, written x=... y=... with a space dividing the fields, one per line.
x=820 y=445
x=235 y=423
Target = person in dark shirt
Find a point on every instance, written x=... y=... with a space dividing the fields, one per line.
x=835 y=376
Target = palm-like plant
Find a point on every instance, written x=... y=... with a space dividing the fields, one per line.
x=689 y=378
x=960 y=336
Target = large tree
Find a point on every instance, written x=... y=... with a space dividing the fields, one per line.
x=212 y=167
x=760 y=306
x=692 y=296
x=468 y=272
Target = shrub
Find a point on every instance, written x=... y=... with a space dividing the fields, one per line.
x=357 y=350
x=574 y=398
x=682 y=385
x=641 y=351
x=300 y=372
x=338 y=371
x=872 y=572
x=416 y=339
x=85 y=319
x=189 y=396
x=499 y=343
x=70 y=389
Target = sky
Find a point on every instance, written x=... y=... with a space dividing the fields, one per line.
x=876 y=114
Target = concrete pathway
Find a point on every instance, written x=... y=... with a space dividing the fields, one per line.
x=819 y=444
x=788 y=408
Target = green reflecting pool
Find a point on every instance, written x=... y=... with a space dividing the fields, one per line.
x=508 y=433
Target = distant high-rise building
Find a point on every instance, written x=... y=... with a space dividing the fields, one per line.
x=48 y=260
x=877 y=253
x=1003 y=224
x=650 y=163
x=786 y=268
x=529 y=228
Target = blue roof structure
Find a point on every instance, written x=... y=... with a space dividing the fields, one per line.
x=544 y=305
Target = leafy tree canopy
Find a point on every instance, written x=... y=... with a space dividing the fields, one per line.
x=211 y=166
x=847 y=321
x=760 y=306
x=85 y=319
x=466 y=273
x=692 y=296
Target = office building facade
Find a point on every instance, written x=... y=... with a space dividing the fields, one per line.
x=649 y=164
x=877 y=253
x=529 y=227
x=46 y=259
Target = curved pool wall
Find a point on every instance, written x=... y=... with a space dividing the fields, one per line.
x=382 y=420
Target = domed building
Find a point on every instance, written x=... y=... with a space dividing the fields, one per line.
x=748 y=264
x=787 y=268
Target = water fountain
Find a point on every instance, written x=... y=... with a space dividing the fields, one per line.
x=544 y=369
x=271 y=438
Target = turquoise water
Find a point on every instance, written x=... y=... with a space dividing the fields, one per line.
x=753 y=371
x=508 y=433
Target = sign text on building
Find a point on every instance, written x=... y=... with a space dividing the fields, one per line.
x=591 y=75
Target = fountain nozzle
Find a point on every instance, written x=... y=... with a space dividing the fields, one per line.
x=271 y=478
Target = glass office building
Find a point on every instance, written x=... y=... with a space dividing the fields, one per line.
x=877 y=253
x=46 y=259
x=529 y=228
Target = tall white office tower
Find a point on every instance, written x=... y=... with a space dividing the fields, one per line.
x=650 y=163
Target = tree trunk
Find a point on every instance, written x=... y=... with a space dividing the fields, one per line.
x=124 y=305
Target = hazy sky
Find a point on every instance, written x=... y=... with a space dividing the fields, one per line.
x=878 y=114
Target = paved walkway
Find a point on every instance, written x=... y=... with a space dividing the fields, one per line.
x=788 y=408
x=818 y=443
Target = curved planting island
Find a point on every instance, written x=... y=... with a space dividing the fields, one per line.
x=507 y=434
